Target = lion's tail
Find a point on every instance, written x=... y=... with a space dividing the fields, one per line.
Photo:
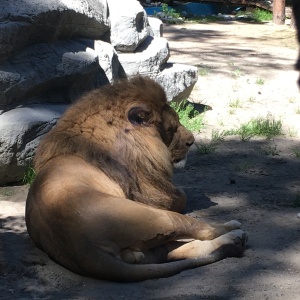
x=117 y=270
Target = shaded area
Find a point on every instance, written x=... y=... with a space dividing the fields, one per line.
x=261 y=199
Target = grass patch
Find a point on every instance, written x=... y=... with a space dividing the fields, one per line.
x=235 y=103
x=206 y=19
x=296 y=201
x=270 y=150
x=243 y=167
x=260 y=81
x=218 y=136
x=292 y=132
x=189 y=117
x=297 y=110
x=29 y=176
x=236 y=73
x=169 y=12
x=7 y=192
x=296 y=151
x=252 y=99
x=206 y=148
x=258 y=127
x=203 y=72
x=261 y=15
x=258 y=15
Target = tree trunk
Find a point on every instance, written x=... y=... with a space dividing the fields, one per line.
x=279 y=12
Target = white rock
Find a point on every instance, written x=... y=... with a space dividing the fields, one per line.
x=147 y=59
x=26 y=22
x=108 y=60
x=61 y=70
x=155 y=27
x=178 y=80
x=128 y=24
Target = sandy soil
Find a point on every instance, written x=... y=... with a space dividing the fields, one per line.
x=256 y=182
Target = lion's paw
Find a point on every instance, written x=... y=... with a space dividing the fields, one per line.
x=233 y=224
x=232 y=243
x=130 y=256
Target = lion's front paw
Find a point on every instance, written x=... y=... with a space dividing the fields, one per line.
x=232 y=243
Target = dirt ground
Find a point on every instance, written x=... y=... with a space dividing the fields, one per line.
x=256 y=182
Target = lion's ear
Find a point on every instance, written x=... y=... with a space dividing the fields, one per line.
x=139 y=116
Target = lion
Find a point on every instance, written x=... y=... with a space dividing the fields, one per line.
x=103 y=203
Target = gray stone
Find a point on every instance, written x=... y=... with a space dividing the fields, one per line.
x=109 y=61
x=60 y=72
x=20 y=132
x=178 y=80
x=25 y=22
x=155 y=27
x=147 y=59
x=128 y=24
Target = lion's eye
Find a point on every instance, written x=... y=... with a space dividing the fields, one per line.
x=172 y=130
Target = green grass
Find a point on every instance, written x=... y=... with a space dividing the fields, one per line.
x=296 y=201
x=244 y=166
x=235 y=103
x=207 y=19
x=169 y=12
x=296 y=151
x=188 y=116
x=258 y=15
x=7 y=192
x=29 y=176
x=251 y=99
x=217 y=136
x=206 y=148
x=236 y=73
x=258 y=127
x=270 y=150
x=260 y=81
x=203 y=72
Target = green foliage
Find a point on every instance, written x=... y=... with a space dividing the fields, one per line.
x=259 y=81
x=258 y=127
x=258 y=15
x=261 y=15
x=270 y=150
x=296 y=201
x=243 y=166
x=206 y=148
x=235 y=103
x=296 y=151
x=188 y=116
x=29 y=176
x=169 y=12
x=203 y=72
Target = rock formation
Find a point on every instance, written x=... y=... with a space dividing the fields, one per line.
x=51 y=52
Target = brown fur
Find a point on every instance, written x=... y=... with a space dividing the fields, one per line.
x=103 y=196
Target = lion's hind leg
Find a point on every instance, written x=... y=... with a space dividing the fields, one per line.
x=227 y=245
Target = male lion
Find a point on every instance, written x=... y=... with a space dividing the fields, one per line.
x=103 y=203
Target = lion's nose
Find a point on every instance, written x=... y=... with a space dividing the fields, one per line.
x=190 y=142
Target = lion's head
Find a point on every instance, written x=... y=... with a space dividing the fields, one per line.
x=129 y=131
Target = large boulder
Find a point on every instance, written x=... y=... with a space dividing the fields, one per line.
x=20 y=132
x=178 y=80
x=55 y=72
x=147 y=59
x=128 y=24
x=26 y=22
x=51 y=52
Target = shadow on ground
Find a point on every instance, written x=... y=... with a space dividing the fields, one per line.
x=260 y=195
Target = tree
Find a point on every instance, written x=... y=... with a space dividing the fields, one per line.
x=279 y=12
